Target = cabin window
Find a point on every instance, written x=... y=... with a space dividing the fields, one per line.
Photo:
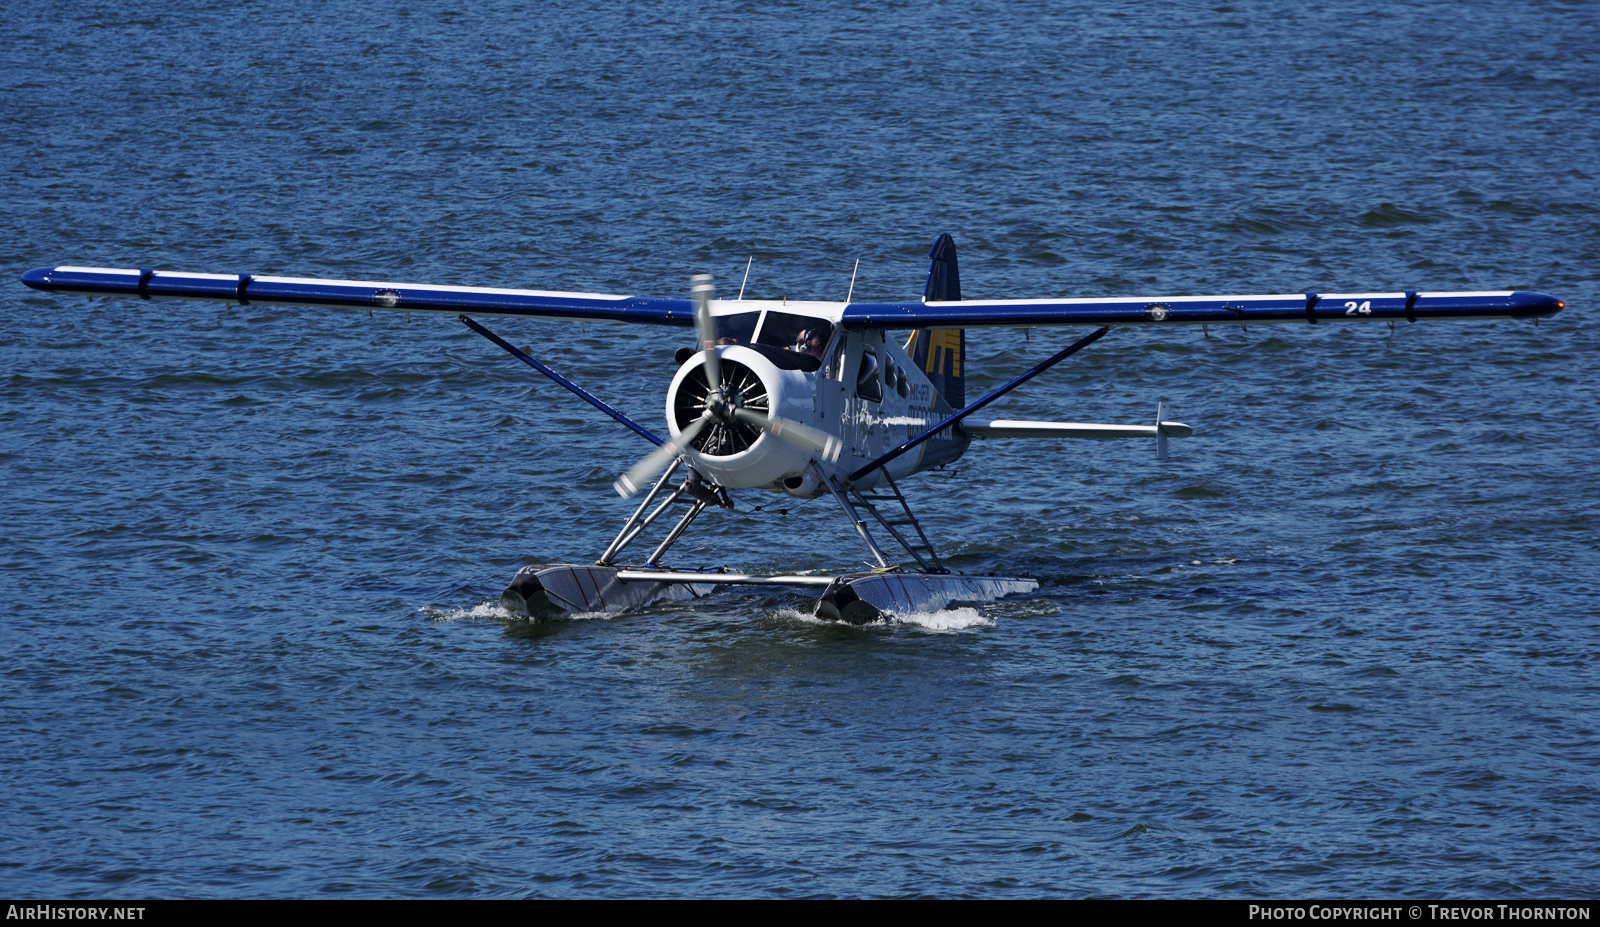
x=894 y=377
x=869 y=385
x=833 y=369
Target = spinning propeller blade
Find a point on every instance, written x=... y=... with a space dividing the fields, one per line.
x=802 y=436
x=641 y=473
x=706 y=329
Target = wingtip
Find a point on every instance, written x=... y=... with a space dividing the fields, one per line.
x=1535 y=305
x=38 y=279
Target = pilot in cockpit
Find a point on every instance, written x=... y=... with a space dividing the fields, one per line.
x=811 y=341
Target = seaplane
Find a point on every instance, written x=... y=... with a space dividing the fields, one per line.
x=808 y=399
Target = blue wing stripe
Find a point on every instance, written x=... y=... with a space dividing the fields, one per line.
x=359 y=294
x=1212 y=310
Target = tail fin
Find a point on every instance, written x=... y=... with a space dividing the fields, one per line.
x=944 y=280
x=938 y=352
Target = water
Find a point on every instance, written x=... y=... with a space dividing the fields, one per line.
x=1342 y=645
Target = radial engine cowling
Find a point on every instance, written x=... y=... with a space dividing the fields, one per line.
x=736 y=454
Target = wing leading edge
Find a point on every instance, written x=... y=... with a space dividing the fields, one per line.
x=1209 y=310
x=246 y=289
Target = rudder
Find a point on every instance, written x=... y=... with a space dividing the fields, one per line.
x=939 y=352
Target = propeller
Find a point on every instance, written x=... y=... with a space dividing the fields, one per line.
x=706 y=328
x=720 y=409
x=802 y=436
x=641 y=473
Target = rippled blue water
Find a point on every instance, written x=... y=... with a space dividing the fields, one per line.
x=1342 y=645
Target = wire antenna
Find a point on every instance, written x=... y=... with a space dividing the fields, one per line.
x=746 y=279
x=853 y=281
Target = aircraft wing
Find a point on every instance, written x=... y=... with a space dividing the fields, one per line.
x=1013 y=313
x=245 y=289
x=1210 y=310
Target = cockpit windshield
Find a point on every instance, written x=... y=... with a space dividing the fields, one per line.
x=738 y=328
x=799 y=333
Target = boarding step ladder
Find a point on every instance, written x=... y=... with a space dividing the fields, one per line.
x=894 y=522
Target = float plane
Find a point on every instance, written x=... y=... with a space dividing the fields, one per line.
x=804 y=398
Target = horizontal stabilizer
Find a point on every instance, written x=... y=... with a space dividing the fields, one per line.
x=1002 y=428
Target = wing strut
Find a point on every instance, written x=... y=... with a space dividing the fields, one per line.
x=576 y=390
x=989 y=397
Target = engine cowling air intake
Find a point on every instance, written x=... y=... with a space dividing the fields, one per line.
x=733 y=450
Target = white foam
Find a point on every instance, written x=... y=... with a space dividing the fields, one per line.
x=793 y=614
x=593 y=616
x=945 y=619
x=494 y=611
x=489 y=610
